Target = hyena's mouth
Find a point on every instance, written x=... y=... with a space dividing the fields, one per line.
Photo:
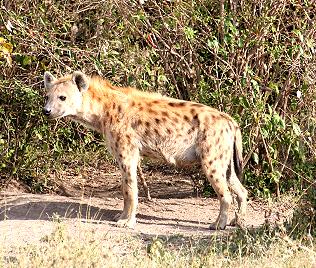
x=56 y=116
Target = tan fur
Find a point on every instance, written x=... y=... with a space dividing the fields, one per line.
x=139 y=124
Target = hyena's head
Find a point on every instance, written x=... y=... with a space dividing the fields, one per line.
x=64 y=95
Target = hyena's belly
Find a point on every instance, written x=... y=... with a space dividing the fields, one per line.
x=180 y=152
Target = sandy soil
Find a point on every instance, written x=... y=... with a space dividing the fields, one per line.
x=91 y=198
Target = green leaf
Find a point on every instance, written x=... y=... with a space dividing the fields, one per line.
x=264 y=133
x=27 y=60
x=296 y=129
x=213 y=44
x=275 y=176
x=274 y=87
x=244 y=102
x=255 y=158
x=189 y=33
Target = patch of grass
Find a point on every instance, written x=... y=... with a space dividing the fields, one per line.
x=74 y=248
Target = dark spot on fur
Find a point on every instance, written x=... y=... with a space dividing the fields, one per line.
x=186 y=118
x=113 y=105
x=107 y=114
x=212 y=171
x=151 y=111
x=126 y=181
x=176 y=104
x=197 y=105
x=164 y=119
x=157 y=131
x=176 y=120
x=147 y=124
x=230 y=126
x=196 y=120
x=157 y=120
x=221 y=156
x=169 y=131
x=141 y=108
x=210 y=162
x=164 y=113
x=191 y=130
x=217 y=140
x=155 y=102
x=126 y=192
x=192 y=111
x=119 y=108
x=215 y=117
x=133 y=103
x=228 y=171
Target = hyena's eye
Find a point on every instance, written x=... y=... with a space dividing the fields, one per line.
x=62 y=98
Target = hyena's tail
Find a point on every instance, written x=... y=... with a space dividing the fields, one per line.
x=238 y=161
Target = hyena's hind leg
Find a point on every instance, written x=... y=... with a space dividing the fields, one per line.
x=143 y=180
x=241 y=195
x=217 y=178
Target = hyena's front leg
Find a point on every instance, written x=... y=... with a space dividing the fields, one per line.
x=128 y=161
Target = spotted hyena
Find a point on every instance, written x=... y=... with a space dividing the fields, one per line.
x=139 y=124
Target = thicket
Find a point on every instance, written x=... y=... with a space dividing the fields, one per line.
x=252 y=59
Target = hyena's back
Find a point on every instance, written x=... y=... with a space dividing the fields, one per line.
x=181 y=132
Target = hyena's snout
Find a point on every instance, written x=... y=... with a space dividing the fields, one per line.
x=47 y=111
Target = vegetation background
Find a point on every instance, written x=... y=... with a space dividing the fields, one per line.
x=252 y=59
x=255 y=60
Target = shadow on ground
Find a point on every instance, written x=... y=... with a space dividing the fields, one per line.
x=50 y=211
x=32 y=208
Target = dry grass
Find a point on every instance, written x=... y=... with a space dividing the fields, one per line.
x=94 y=249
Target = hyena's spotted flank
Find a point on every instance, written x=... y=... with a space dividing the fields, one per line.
x=139 y=124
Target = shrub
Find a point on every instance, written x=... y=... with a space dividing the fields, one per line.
x=254 y=60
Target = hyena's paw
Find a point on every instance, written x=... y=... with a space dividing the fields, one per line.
x=129 y=223
x=217 y=225
x=238 y=221
x=123 y=221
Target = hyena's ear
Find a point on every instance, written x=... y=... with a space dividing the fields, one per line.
x=81 y=80
x=48 y=80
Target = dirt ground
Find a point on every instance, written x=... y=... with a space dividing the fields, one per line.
x=91 y=198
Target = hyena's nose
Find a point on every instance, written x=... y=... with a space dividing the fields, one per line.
x=46 y=111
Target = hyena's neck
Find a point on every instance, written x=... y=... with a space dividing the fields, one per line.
x=100 y=109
